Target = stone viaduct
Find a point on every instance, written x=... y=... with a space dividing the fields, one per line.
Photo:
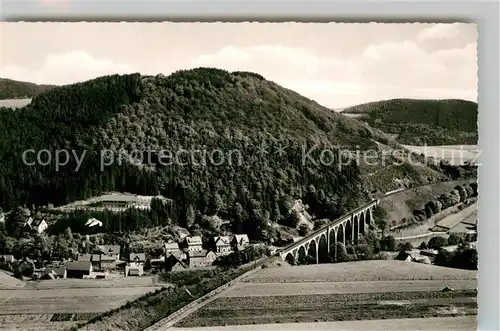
x=345 y=229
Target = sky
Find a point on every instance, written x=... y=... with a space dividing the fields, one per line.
x=336 y=64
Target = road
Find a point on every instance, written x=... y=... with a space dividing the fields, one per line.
x=421 y=235
x=428 y=324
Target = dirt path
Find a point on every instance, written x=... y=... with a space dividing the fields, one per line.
x=431 y=324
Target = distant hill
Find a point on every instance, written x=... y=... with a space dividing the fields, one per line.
x=13 y=89
x=418 y=122
x=261 y=131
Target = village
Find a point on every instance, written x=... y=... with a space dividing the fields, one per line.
x=110 y=261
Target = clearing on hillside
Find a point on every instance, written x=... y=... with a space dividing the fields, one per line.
x=402 y=204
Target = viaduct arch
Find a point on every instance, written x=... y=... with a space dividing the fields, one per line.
x=346 y=230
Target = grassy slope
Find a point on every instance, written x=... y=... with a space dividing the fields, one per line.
x=435 y=122
x=402 y=205
x=13 y=89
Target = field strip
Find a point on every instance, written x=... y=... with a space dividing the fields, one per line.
x=175 y=317
x=462 y=323
x=286 y=289
x=466 y=214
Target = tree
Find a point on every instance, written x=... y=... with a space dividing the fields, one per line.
x=190 y=216
x=453 y=239
x=437 y=242
x=303 y=229
x=60 y=248
x=147 y=265
x=465 y=259
x=406 y=246
x=41 y=247
x=341 y=255
x=68 y=235
x=388 y=244
x=218 y=203
x=423 y=245
x=15 y=222
x=364 y=251
x=443 y=258
x=380 y=217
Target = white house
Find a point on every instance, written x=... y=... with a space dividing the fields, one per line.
x=39 y=225
x=194 y=243
x=171 y=248
x=222 y=245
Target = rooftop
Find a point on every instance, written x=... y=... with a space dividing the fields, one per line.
x=196 y=240
x=78 y=265
x=223 y=240
x=137 y=256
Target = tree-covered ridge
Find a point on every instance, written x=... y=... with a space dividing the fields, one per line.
x=13 y=89
x=266 y=128
x=435 y=122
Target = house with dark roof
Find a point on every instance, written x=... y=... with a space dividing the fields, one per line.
x=78 y=269
x=95 y=259
x=176 y=262
x=53 y=272
x=201 y=258
x=222 y=245
x=36 y=224
x=39 y=225
x=240 y=242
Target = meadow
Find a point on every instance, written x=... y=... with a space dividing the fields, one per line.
x=364 y=290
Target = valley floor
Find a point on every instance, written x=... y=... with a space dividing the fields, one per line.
x=60 y=303
x=431 y=324
x=366 y=293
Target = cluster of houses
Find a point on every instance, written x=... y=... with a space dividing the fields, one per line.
x=427 y=256
x=177 y=256
x=191 y=254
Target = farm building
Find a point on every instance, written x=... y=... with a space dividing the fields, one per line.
x=95 y=259
x=423 y=259
x=193 y=243
x=406 y=256
x=137 y=257
x=39 y=224
x=222 y=245
x=240 y=242
x=175 y=262
x=134 y=269
x=53 y=272
x=432 y=253
x=171 y=248
x=78 y=269
x=108 y=262
x=111 y=250
x=201 y=258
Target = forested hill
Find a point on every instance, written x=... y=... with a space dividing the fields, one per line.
x=434 y=122
x=13 y=89
x=257 y=131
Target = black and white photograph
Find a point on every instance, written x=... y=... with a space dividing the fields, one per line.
x=249 y=176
